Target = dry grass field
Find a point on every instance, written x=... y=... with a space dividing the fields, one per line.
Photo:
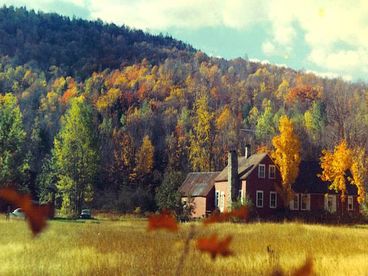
x=125 y=247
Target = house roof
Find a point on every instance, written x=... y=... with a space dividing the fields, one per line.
x=309 y=182
x=198 y=183
x=245 y=166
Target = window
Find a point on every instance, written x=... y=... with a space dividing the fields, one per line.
x=217 y=195
x=241 y=196
x=305 y=202
x=222 y=201
x=271 y=171
x=259 y=199
x=330 y=203
x=273 y=199
x=261 y=171
x=294 y=203
x=350 y=203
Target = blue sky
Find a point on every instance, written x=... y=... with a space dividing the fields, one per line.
x=329 y=38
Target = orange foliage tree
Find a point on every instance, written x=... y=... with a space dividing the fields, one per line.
x=336 y=164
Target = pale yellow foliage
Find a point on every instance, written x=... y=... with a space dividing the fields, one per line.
x=359 y=170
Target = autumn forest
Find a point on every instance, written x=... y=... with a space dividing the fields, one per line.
x=92 y=114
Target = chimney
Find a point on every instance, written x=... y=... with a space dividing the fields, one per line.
x=232 y=178
x=247 y=151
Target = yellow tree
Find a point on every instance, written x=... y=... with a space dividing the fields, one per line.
x=226 y=138
x=335 y=166
x=201 y=140
x=359 y=171
x=287 y=155
x=144 y=157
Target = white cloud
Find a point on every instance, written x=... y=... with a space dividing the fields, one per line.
x=268 y=48
x=163 y=14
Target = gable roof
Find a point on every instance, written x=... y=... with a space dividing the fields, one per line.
x=309 y=182
x=245 y=166
x=198 y=183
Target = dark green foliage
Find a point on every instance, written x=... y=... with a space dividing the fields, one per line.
x=167 y=195
x=78 y=47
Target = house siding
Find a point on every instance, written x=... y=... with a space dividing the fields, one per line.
x=199 y=206
x=267 y=185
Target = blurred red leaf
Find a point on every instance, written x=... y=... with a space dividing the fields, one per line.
x=162 y=221
x=36 y=215
x=240 y=213
x=214 y=246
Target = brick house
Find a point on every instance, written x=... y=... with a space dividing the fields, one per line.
x=256 y=178
x=198 y=190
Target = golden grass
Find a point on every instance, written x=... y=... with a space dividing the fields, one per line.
x=125 y=248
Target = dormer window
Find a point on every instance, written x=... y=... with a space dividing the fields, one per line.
x=261 y=171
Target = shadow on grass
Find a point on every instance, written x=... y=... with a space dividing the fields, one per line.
x=71 y=220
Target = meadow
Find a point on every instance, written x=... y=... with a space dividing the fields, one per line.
x=125 y=247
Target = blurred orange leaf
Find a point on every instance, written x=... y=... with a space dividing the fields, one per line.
x=306 y=269
x=36 y=214
x=240 y=213
x=214 y=246
x=162 y=221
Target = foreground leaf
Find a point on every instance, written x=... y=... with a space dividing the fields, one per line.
x=304 y=270
x=162 y=221
x=215 y=247
x=36 y=215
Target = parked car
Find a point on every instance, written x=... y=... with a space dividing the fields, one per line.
x=18 y=213
x=85 y=214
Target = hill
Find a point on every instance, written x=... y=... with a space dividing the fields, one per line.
x=147 y=109
x=79 y=47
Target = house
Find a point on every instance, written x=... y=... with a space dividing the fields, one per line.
x=311 y=194
x=257 y=179
x=199 y=191
x=250 y=177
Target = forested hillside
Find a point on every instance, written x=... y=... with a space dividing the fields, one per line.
x=96 y=114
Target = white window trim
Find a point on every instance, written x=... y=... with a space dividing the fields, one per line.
x=333 y=208
x=352 y=203
x=273 y=193
x=241 y=196
x=259 y=171
x=222 y=201
x=259 y=192
x=292 y=202
x=269 y=171
x=307 y=208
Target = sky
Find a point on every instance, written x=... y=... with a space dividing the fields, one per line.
x=329 y=38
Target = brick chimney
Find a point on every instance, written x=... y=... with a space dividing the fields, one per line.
x=232 y=178
x=247 y=151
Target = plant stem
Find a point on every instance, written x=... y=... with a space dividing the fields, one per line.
x=185 y=250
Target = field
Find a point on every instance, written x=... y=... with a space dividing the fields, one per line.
x=124 y=247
